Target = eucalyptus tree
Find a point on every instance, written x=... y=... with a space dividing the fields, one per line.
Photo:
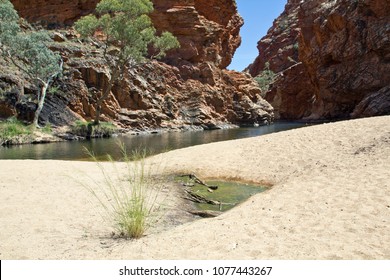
x=29 y=52
x=128 y=37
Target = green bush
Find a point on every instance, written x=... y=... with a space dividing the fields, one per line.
x=265 y=78
x=12 y=129
x=47 y=129
x=90 y=130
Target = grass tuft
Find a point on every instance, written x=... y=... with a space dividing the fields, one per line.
x=11 y=129
x=88 y=130
x=129 y=193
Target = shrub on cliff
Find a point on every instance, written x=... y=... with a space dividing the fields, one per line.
x=128 y=36
x=265 y=78
x=28 y=51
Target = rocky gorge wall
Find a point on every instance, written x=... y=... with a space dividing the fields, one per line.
x=54 y=13
x=190 y=86
x=291 y=93
x=332 y=59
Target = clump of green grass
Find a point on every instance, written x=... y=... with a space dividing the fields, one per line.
x=89 y=130
x=47 y=129
x=12 y=129
x=129 y=194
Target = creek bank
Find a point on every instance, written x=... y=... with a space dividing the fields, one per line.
x=190 y=86
x=65 y=133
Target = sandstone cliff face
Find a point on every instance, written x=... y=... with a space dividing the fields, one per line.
x=291 y=94
x=345 y=46
x=343 y=64
x=208 y=31
x=54 y=12
x=191 y=85
x=279 y=47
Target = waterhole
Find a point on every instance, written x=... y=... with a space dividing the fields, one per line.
x=216 y=195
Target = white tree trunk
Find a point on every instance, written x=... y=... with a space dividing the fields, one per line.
x=41 y=101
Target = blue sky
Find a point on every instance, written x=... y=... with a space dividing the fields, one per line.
x=258 y=16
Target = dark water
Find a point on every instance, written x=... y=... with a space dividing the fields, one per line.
x=154 y=143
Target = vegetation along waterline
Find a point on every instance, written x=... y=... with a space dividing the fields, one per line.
x=97 y=66
x=154 y=143
x=330 y=189
x=144 y=80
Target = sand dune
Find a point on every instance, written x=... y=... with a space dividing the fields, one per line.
x=330 y=200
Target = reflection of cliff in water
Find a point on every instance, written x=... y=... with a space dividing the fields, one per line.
x=154 y=143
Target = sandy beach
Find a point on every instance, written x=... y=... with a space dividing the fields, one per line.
x=330 y=199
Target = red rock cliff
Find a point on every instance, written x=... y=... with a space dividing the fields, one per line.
x=54 y=12
x=343 y=64
x=345 y=46
x=291 y=93
x=207 y=30
x=190 y=86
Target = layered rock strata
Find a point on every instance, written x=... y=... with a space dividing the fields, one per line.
x=343 y=63
x=291 y=93
x=345 y=46
x=54 y=13
x=190 y=87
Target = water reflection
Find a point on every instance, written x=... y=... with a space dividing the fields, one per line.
x=156 y=143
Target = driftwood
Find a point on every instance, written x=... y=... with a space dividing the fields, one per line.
x=192 y=196
x=205 y=213
x=200 y=199
x=199 y=181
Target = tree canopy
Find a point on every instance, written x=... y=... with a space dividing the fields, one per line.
x=29 y=52
x=128 y=36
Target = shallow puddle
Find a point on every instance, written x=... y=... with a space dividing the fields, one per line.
x=228 y=193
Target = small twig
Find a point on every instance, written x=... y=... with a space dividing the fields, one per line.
x=200 y=199
x=199 y=181
x=205 y=213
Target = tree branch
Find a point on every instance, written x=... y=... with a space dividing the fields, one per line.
x=21 y=68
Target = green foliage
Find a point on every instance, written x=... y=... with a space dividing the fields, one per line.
x=104 y=129
x=129 y=194
x=128 y=29
x=89 y=130
x=165 y=42
x=87 y=25
x=28 y=51
x=54 y=90
x=9 y=26
x=11 y=129
x=80 y=128
x=126 y=25
x=47 y=129
x=265 y=78
x=283 y=24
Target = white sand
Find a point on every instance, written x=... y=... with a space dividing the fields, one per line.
x=330 y=200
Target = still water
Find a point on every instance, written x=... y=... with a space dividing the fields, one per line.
x=154 y=143
x=228 y=193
